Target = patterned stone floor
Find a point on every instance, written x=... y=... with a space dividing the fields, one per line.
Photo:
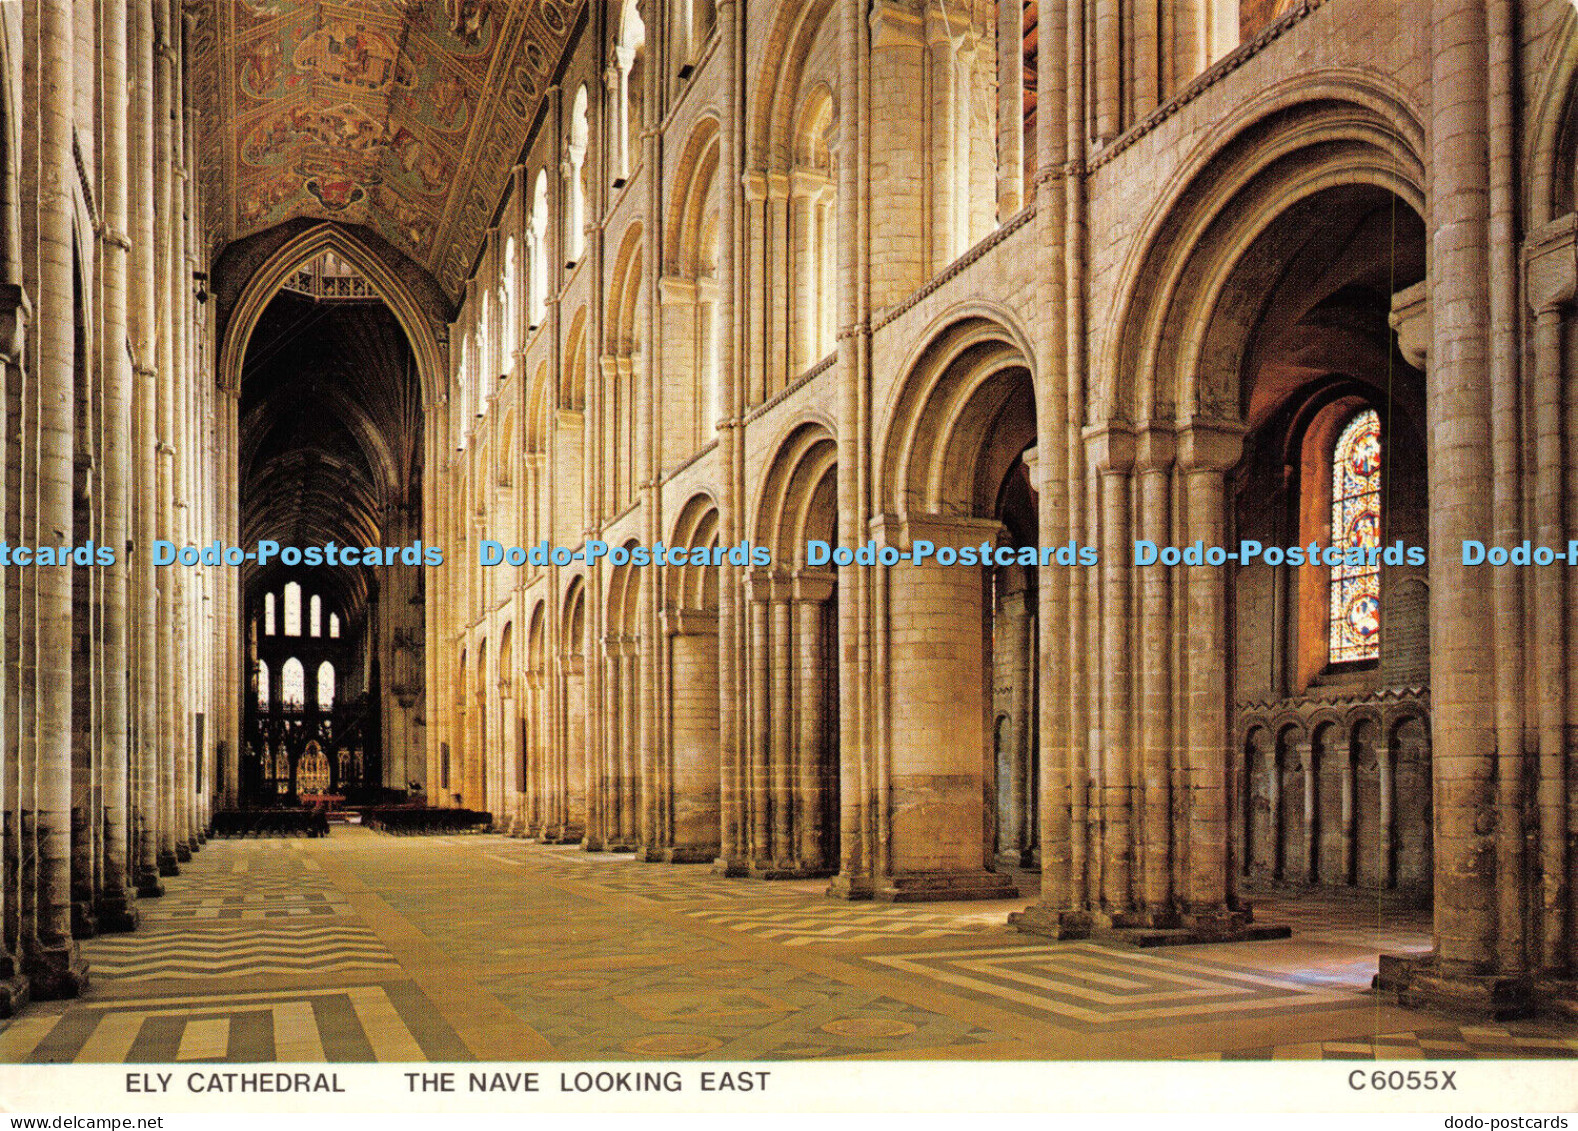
x=370 y=948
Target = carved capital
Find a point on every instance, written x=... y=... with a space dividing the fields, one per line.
x=1210 y=445
x=1410 y=318
x=1110 y=446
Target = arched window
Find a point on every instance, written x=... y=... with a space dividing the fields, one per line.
x=262 y=686
x=268 y=614
x=463 y=383
x=479 y=374
x=539 y=249
x=1355 y=601
x=293 y=685
x=575 y=153
x=292 y=608
x=629 y=62
x=507 y=312
x=325 y=686
x=814 y=218
x=334 y=626
x=315 y=616
x=487 y=337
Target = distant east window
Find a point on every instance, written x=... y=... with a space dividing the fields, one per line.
x=293 y=685
x=325 y=686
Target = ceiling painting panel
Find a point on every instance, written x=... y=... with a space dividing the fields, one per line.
x=403 y=115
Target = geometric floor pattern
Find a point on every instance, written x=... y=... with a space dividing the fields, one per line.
x=846 y=923
x=1089 y=986
x=241 y=950
x=361 y=947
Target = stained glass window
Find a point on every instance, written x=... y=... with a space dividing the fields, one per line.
x=334 y=626
x=1355 y=631
x=292 y=609
x=292 y=685
x=325 y=686
x=268 y=614
x=262 y=686
x=315 y=616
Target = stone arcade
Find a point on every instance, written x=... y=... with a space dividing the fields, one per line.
x=704 y=272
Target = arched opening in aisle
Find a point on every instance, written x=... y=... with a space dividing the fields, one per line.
x=614 y=802
x=536 y=774
x=791 y=818
x=571 y=756
x=1266 y=355
x=1331 y=666
x=687 y=825
x=958 y=478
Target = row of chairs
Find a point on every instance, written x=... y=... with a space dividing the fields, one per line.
x=270 y=822
x=408 y=820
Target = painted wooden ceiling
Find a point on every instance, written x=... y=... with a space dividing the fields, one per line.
x=403 y=115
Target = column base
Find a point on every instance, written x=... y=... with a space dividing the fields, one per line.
x=562 y=834
x=731 y=868
x=786 y=870
x=683 y=854
x=939 y=887
x=1146 y=927
x=116 y=914
x=1421 y=982
x=183 y=852
x=148 y=886
x=194 y=846
x=620 y=846
x=168 y=865
x=200 y=839
x=56 y=973
x=83 y=923
x=846 y=886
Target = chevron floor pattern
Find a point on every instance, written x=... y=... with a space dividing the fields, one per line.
x=836 y=924
x=361 y=947
x=225 y=950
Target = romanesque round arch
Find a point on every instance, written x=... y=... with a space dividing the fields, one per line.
x=794 y=27
x=694 y=587
x=959 y=381
x=798 y=497
x=1217 y=222
x=693 y=198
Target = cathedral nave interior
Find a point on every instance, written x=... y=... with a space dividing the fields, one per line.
x=401 y=277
